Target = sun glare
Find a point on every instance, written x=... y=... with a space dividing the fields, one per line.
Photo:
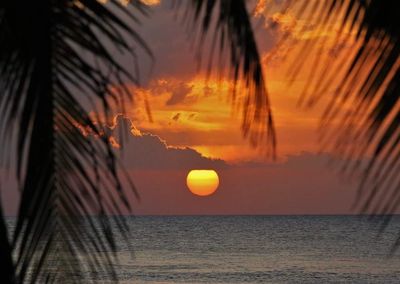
x=202 y=182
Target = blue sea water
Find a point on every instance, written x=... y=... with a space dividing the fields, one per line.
x=258 y=249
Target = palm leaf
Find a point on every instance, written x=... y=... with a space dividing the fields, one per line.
x=365 y=106
x=55 y=59
x=229 y=21
x=368 y=129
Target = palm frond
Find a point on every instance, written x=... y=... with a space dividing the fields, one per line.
x=365 y=106
x=55 y=59
x=230 y=23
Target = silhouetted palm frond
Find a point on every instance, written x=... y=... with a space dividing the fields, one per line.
x=365 y=76
x=233 y=35
x=370 y=82
x=56 y=57
x=364 y=108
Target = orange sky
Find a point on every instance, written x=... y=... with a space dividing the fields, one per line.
x=182 y=119
x=188 y=110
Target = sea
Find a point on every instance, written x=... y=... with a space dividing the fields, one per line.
x=259 y=249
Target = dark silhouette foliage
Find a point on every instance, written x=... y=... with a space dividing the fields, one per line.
x=229 y=22
x=54 y=56
x=366 y=101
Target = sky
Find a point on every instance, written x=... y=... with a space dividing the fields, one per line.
x=180 y=119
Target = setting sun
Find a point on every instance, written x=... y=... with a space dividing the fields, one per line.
x=202 y=182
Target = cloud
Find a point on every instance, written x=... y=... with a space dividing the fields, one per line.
x=148 y=151
x=301 y=184
x=176 y=116
x=179 y=94
x=191 y=115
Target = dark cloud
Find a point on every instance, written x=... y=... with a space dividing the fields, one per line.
x=148 y=151
x=191 y=116
x=179 y=94
x=176 y=116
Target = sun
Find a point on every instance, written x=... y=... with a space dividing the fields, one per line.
x=202 y=182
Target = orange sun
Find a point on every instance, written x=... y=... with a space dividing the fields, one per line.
x=202 y=182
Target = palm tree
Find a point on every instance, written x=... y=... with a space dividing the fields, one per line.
x=370 y=83
x=55 y=59
x=367 y=78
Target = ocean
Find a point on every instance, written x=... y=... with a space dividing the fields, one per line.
x=259 y=249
